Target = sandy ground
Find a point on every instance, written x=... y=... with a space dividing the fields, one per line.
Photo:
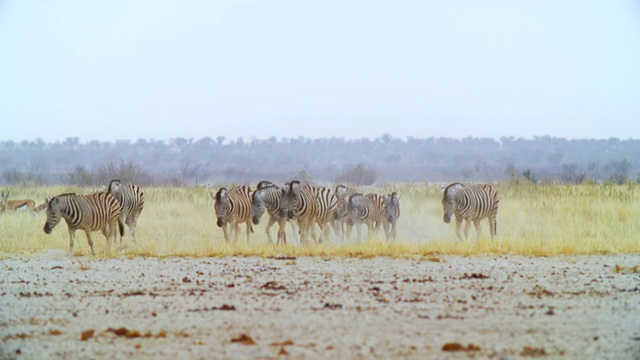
x=504 y=307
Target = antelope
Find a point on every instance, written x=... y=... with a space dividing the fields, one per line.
x=14 y=205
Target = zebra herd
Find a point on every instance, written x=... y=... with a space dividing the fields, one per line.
x=302 y=205
x=342 y=209
x=306 y=206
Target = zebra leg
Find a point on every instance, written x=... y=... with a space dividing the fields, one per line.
x=336 y=225
x=304 y=231
x=476 y=223
x=371 y=229
x=493 y=224
x=106 y=230
x=235 y=229
x=393 y=230
x=224 y=231
x=282 y=235
x=467 y=226
x=90 y=241
x=248 y=230
x=348 y=231
x=132 y=226
x=72 y=236
x=272 y=220
x=387 y=232
x=458 y=226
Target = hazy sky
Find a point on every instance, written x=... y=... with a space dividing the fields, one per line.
x=107 y=70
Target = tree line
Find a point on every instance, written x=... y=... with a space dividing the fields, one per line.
x=364 y=161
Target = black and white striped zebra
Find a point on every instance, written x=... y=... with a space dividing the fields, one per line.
x=93 y=212
x=268 y=197
x=391 y=214
x=472 y=204
x=343 y=193
x=233 y=207
x=364 y=209
x=309 y=205
x=131 y=199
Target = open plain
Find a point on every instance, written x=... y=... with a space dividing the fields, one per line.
x=561 y=281
x=449 y=306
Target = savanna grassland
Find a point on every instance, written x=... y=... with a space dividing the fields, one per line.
x=561 y=281
x=536 y=220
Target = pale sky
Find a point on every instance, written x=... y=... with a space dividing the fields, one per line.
x=109 y=70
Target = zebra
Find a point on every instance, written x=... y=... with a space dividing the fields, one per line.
x=233 y=207
x=97 y=211
x=131 y=199
x=391 y=214
x=308 y=205
x=268 y=197
x=368 y=209
x=14 y=205
x=342 y=212
x=471 y=203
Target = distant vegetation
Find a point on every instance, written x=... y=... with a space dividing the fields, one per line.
x=363 y=161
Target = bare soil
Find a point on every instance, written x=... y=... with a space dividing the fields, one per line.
x=503 y=307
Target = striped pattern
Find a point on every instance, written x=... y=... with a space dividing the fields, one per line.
x=391 y=214
x=93 y=212
x=233 y=207
x=268 y=197
x=472 y=204
x=365 y=209
x=131 y=199
x=309 y=205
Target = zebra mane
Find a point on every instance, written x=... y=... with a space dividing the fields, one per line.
x=446 y=190
x=291 y=183
x=264 y=184
x=219 y=193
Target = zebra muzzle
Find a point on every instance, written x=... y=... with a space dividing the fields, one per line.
x=447 y=218
x=47 y=229
x=219 y=222
x=255 y=220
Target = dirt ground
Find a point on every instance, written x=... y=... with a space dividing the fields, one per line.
x=503 y=307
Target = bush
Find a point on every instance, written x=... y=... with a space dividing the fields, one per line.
x=128 y=173
x=359 y=175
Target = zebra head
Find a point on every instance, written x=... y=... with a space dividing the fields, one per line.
x=290 y=199
x=449 y=200
x=221 y=203
x=342 y=193
x=54 y=214
x=258 y=206
x=392 y=206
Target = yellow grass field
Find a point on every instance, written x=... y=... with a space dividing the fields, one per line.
x=534 y=220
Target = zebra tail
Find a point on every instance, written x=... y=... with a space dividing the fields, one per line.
x=121 y=228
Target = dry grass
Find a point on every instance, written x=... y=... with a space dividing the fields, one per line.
x=537 y=220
